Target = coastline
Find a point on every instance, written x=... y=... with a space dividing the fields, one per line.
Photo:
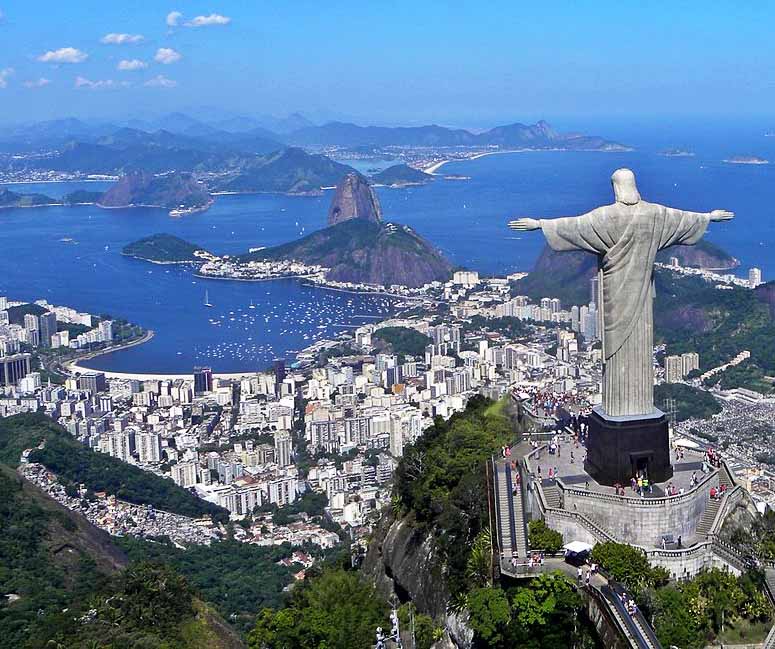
x=433 y=168
x=73 y=366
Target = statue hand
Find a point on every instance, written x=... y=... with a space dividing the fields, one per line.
x=525 y=224
x=721 y=215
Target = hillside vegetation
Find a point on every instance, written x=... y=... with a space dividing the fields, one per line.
x=64 y=584
x=75 y=463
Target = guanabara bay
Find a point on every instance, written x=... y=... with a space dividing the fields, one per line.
x=387 y=326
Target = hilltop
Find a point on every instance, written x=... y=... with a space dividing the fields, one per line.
x=354 y=199
x=362 y=251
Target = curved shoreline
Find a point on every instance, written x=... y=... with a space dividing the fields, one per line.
x=73 y=366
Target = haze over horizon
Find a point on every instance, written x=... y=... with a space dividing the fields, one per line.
x=403 y=64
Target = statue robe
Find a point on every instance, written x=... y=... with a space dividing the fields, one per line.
x=626 y=239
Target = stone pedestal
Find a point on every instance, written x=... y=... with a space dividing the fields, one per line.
x=617 y=447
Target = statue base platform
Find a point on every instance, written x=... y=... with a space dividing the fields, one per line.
x=619 y=447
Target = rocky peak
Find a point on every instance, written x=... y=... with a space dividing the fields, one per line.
x=354 y=199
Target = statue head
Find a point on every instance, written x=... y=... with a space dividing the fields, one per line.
x=625 y=189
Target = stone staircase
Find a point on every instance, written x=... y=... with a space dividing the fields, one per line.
x=520 y=525
x=502 y=495
x=724 y=478
x=706 y=522
x=552 y=495
x=512 y=526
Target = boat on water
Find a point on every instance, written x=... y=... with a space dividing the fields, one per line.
x=252 y=306
x=207 y=299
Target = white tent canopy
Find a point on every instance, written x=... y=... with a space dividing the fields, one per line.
x=577 y=547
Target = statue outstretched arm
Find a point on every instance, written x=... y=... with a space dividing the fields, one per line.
x=687 y=228
x=721 y=215
x=525 y=224
x=568 y=232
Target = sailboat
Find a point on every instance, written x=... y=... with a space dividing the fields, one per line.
x=207 y=299
x=252 y=306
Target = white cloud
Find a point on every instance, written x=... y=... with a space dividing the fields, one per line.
x=167 y=55
x=173 y=18
x=160 y=81
x=82 y=82
x=121 y=39
x=206 y=21
x=131 y=64
x=4 y=74
x=63 y=55
x=37 y=83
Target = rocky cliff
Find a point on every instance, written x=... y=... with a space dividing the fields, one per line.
x=139 y=188
x=403 y=560
x=354 y=199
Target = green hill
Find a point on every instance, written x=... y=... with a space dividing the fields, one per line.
x=64 y=584
x=363 y=251
x=77 y=464
x=399 y=175
x=162 y=248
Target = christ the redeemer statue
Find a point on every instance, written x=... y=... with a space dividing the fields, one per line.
x=626 y=236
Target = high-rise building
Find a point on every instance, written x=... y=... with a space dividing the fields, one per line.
x=13 y=368
x=282 y=444
x=31 y=322
x=689 y=361
x=3 y=303
x=184 y=474
x=149 y=447
x=47 y=324
x=106 y=331
x=203 y=380
x=94 y=382
x=673 y=369
x=754 y=277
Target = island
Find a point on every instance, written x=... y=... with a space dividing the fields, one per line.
x=677 y=153
x=401 y=175
x=165 y=249
x=746 y=160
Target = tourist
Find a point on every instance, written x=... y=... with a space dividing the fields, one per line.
x=713 y=493
x=555 y=474
x=680 y=544
x=579 y=573
x=589 y=572
x=571 y=457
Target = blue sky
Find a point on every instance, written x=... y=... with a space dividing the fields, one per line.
x=457 y=62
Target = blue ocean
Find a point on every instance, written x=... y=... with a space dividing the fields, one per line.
x=71 y=256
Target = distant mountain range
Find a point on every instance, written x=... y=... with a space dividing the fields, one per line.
x=242 y=155
x=537 y=136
